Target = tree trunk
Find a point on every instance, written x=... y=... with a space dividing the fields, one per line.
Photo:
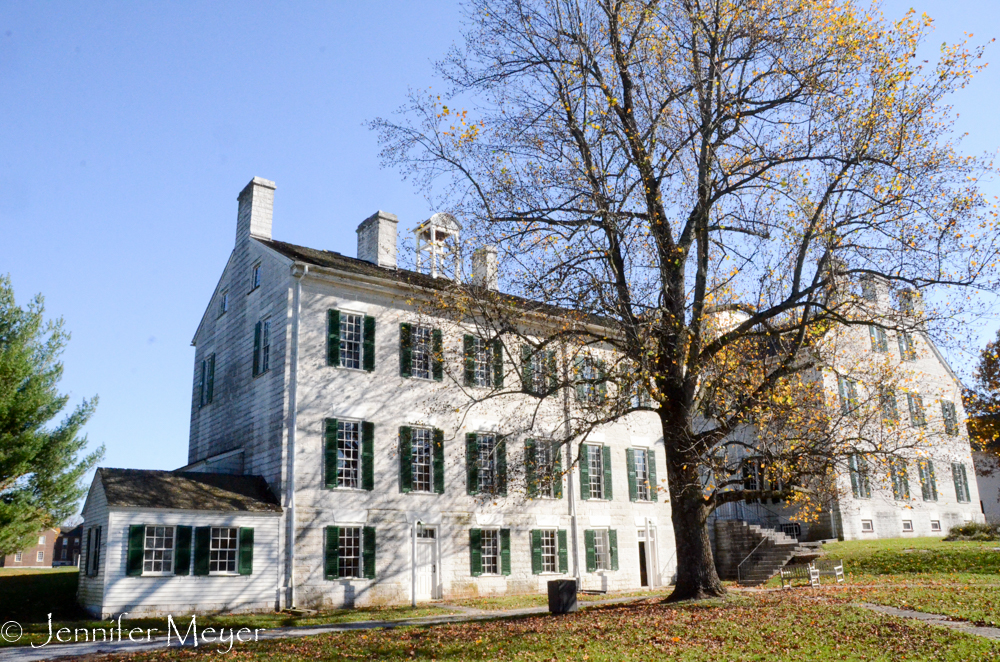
x=696 y=575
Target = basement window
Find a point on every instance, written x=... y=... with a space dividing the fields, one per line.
x=907 y=526
x=867 y=526
x=935 y=525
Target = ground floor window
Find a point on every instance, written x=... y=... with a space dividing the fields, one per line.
x=222 y=558
x=158 y=549
x=489 y=551
x=935 y=525
x=549 y=559
x=602 y=549
x=350 y=552
x=867 y=526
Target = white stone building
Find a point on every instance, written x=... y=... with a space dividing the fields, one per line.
x=324 y=376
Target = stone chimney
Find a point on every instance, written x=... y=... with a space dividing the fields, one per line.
x=377 y=239
x=485 y=272
x=256 y=206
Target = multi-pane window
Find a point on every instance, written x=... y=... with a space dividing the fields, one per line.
x=595 y=468
x=961 y=482
x=916 y=406
x=860 y=481
x=887 y=402
x=950 y=417
x=928 y=484
x=848 y=396
x=487 y=446
x=482 y=357
x=550 y=549
x=544 y=469
x=900 y=481
x=542 y=369
x=223 y=303
x=602 y=549
x=422 y=352
x=265 y=345
x=223 y=550
x=421 y=459
x=880 y=343
x=17 y=557
x=352 y=333
x=907 y=349
x=255 y=277
x=348 y=454
x=491 y=551
x=39 y=557
x=349 y=552
x=158 y=549
x=95 y=560
x=641 y=474
x=588 y=389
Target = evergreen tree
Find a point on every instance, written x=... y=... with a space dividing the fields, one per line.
x=40 y=473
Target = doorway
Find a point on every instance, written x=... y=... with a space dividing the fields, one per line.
x=643 y=575
x=425 y=563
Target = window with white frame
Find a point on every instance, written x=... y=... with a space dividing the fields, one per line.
x=348 y=454
x=265 y=345
x=867 y=526
x=935 y=525
x=880 y=343
x=17 y=557
x=39 y=557
x=595 y=468
x=422 y=348
x=482 y=355
x=158 y=550
x=255 y=276
x=487 y=463
x=223 y=550
x=422 y=459
x=589 y=390
x=349 y=552
x=916 y=407
x=641 y=474
x=542 y=370
x=950 y=418
x=907 y=349
x=544 y=468
x=907 y=526
x=887 y=403
x=223 y=302
x=41 y=540
x=602 y=549
x=550 y=551
x=352 y=333
x=491 y=551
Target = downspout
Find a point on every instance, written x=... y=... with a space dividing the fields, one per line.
x=570 y=483
x=299 y=272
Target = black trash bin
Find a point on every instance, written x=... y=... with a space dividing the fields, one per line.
x=562 y=596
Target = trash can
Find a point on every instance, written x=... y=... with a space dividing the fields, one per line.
x=562 y=596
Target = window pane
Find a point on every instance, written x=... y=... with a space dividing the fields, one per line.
x=595 y=465
x=421 y=352
x=483 y=360
x=350 y=552
x=491 y=552
x=421 y=459
x=351 y=336
x=543 y=468
x=549 y=559
x=158 y=549
x=641 y=475
x=601 y=550
x=348 y=454
x=487 y=463
x=222 y=553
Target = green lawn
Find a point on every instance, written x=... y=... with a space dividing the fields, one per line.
x=501 y=602
x=29 y=594
x=769 y=626
x=910 y=556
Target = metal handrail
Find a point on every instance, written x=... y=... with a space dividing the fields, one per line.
x=739 y=574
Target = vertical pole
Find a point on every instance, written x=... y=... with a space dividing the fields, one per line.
x=570 y=483
x=413 y=565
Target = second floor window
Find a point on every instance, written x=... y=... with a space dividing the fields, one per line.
x=860 y=481
x=880 y=343
x=916 y=406
x=486 y=464
x=351 y=338
x=950 y=418
x=848 y=396
x=928 y=484
x=422 y=460
x=900 y=481
x=907 y=348
x=641 y=472
x=255 y=277
x=961 y=482
x=595 y=470
x=207 y=381
x=348 y=454
x=223 y=303
x=262 y=347
x=887 y=402
x=590 y=389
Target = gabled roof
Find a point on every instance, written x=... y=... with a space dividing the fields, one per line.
x=140 y=488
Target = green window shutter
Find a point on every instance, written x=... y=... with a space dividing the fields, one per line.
x=405 y=349
x=581 y=392
x=552 y=370
x=630 y=470
x=471 y=463
x=437 y=360
x=584 y=473
x=530 y=480
x=333 y=337
x=557 y=479
x=256 y=349
x=536 y=552
x=438 y=437
x=608 y=494
x=368 y=552
x=136 y=542
x=925 y=484
x=469 y=354
x=368 y=345
x=202 y=549
x=330 y=452
x=497 y=363
x=933 y=481
x=85 y=556
x=613 y=544
x=182 y=550
x=476 y=552
x=588 y=543
x=527 y=374
x=331 y=556
x=965 y=483
x=504 y=551
x=852 y=465
x=405 y=459
x=501 y=452
x=367 y=455
x=245 y=559
x=651 y=468
x=210 y=389
x=602 y=387
x=904 y=481
x=956 y=478
x=563 y=551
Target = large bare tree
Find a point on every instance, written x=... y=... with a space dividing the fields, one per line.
x=699 y=186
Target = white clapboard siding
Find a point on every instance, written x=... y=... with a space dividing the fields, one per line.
x=90 y=590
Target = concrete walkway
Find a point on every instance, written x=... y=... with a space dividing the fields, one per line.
x=935 y=619
x=74 y=651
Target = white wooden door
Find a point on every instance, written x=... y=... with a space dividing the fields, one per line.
x=426 y=569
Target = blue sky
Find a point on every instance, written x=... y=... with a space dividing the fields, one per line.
x=127 y=129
